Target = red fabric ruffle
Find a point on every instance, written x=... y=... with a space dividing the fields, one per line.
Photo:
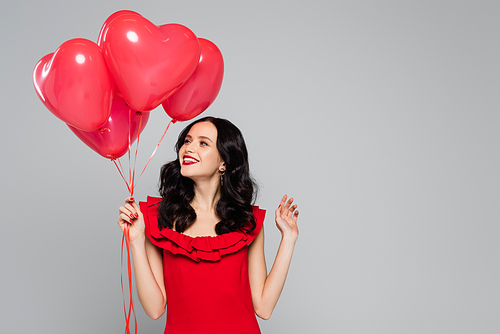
x=199 y=248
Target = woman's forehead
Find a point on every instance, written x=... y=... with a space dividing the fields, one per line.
x=203 y=129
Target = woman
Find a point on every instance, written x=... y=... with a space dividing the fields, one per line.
x=200 y=248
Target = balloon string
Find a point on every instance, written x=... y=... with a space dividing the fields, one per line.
x=114 y=161
x=136 y=149
x=125 y=238
x=123 y=177
x=158 y=145
x=128 y=151
x=126 y=229
x=121 y=173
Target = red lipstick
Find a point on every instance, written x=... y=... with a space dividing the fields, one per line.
x=184 y=162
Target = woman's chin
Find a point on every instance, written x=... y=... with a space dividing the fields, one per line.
x=186 y=173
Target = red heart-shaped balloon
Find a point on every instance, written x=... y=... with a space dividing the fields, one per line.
x=148 y=62
x=201 y=89
x=101 y=36
x=108 y=20
x=112 y=140
x=75 y=84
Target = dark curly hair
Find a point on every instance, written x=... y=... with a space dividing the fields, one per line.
x=238 y=191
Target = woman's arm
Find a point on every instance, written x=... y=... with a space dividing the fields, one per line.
x=148 y=266
x=266 y=289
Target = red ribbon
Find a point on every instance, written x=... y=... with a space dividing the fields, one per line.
x=131 y=183
x=172 y=121
x=129 y=272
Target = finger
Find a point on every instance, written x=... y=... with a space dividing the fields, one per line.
x=136 y=208
x=288 y=203
x=291 y=211
x=124 y=218
x=280 y=206
x=131 y=201
x=124 y=210
x=283 y=201
x=133 y=212
x=127 y=212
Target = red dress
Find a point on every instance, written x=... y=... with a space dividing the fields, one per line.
x=206 y=278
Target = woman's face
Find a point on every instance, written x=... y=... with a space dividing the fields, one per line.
x=199 y=157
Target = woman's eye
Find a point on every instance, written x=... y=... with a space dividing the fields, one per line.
x=203 y=143
x=186 y=141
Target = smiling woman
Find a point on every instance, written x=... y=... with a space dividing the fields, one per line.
x=201 y=246
x=220 y=148
x=200 y=159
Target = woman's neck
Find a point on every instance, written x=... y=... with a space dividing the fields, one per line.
x=206 y=196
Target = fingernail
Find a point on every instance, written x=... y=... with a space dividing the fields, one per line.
x=136 y=215
x=131 y=199
x=132 y=216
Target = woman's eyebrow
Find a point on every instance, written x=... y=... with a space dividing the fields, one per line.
x=204 y=137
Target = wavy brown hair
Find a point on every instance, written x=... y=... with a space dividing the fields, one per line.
x=238 y=191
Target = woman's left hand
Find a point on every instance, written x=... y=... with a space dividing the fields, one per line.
x=286 y=218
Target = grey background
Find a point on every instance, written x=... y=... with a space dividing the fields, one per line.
x=380 y=117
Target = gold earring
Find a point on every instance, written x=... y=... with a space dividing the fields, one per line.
x=222 y=172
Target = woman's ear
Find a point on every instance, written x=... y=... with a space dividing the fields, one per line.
x=222 y=167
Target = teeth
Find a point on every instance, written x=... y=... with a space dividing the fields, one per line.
x=189 y=160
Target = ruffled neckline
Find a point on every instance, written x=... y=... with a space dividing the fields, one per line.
x=208 y=248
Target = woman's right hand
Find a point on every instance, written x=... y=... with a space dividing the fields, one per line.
x=130 y=214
